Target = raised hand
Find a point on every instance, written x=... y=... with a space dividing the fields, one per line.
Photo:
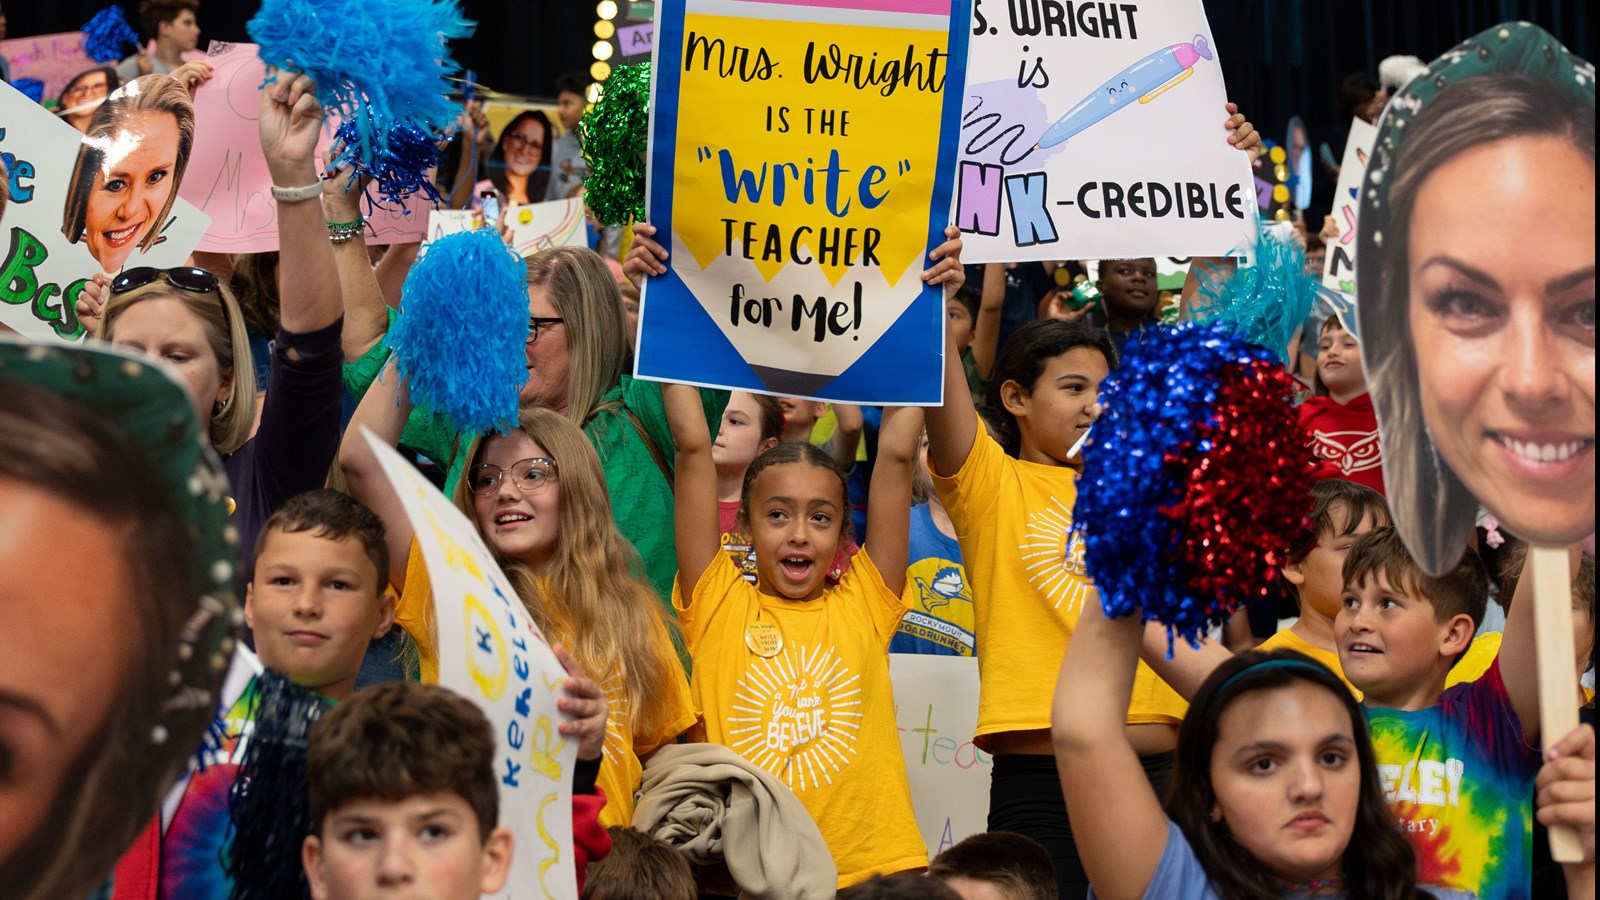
x=290 y=123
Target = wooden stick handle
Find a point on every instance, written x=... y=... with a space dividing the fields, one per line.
x=1558 y=682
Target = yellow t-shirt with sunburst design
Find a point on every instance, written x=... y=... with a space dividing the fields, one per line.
x=1028 y=583
x=620 y=768
x=819 y=713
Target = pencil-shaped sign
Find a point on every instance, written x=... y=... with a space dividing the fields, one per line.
x=1145 y=80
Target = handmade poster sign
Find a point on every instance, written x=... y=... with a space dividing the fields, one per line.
x=54 y=59
x=800 y=168
x=1339 y=266
x=1478 y=330
x=100 y=202
x=449 y=221
x=228 y=177
x=1094 y=131
x=540 y=226
x=491 y=653
x=936 y=710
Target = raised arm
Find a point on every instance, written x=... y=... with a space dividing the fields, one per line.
x=1120 y=841
x=694 y=486
x=847 y=435
x=953 y=427
x=1189 y=666
x=391 y=271
x=889 y=494
x=384 y=410
x=986 y=330
x=290 y=122
x=366 y=316
x=1519 y=649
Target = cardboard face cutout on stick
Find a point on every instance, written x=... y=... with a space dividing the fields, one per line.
x=1476 y=278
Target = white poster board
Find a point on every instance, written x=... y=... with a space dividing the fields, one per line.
x=1095 y=131
x=936 y=710
x=1339 y=266
x=491 y=653
x=42 y=271
x=540 y=226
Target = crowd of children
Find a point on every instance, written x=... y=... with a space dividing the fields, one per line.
x=730 y=569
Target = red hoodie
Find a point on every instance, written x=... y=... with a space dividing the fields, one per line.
x=1345 y=437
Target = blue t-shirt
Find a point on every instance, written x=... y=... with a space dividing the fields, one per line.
x=941 y=620
x=1179 y=876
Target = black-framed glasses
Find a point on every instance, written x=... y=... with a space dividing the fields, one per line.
x=531 y=475
x=184 y=278
x=537 y=322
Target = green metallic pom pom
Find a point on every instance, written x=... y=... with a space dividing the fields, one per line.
x=615 y=134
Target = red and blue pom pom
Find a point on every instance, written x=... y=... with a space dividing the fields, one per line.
x=1197 y=475
x=107 y=35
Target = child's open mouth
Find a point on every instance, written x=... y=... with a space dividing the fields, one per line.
x=796 y=568
x=1364 y=648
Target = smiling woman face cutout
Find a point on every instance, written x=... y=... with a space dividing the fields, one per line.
x=132 y=187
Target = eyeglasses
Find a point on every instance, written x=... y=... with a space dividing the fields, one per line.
x=519 y=143
x=184 y=278
x=530 y=475
x=537 y=322
x=96 y=89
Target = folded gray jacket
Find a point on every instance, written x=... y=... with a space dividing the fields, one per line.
x=712 y=804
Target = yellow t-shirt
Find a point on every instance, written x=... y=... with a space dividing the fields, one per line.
x=1288 y=640
x=818 y=714
x=620 y=768
x=1473 y=663
x=1028 y=586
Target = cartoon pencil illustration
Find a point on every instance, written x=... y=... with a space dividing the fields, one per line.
x=1146 y=79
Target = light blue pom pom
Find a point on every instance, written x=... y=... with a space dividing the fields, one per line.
x=462 y=331
x=1262 y=303
x=389 y=60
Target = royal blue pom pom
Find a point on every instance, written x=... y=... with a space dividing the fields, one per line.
x=32 y=88
x=462 y=332
x=1263 y=303
x=402 y=163
x=107 y=35
x=383 y=66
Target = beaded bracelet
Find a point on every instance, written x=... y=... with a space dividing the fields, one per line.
x=341 y=232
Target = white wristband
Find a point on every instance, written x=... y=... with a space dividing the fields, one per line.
x=294 y=195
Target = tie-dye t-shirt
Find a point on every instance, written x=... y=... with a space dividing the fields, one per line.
x=1459 y=777
x=191 y=849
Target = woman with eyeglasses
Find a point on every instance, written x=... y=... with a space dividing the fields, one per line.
x=188 y=319
x=519 y=167
x=84 y=94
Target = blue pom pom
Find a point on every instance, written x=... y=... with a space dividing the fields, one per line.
x=377 y=63
x=402 y=164
x=32 y=88
x=1263 y=303
x=107 y=35
x=462 y=332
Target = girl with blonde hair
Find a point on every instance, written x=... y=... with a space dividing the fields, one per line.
x=538 y=496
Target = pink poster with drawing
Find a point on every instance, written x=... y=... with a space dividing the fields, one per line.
x=228 y=178
x=52 y=58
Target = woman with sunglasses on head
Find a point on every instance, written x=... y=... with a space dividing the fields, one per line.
x=191 y=321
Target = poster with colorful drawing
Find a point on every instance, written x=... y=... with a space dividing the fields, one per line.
x=800 y=167
x=81 y=204
x=936 y=711
x=1095 y=131
x=228 y=176
x=1339 y=266
x=491 y=653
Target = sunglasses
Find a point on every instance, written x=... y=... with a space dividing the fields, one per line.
x=184 y=278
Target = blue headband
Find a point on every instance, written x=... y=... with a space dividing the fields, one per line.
x=1310 y=665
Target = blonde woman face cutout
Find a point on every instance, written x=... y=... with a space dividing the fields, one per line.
x=132 y=187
